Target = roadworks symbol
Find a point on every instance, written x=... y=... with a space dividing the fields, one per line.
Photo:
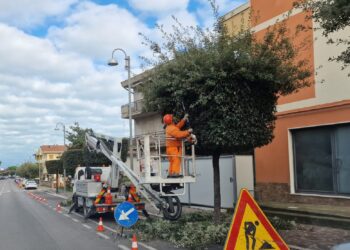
x=250 y=229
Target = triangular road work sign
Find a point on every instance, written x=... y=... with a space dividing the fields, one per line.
x=250 y=229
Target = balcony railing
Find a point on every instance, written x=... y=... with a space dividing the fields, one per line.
x=137 y=108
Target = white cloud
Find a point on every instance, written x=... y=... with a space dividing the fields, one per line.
x=29 y=13
x=156 y=6
x=28 y=55
x=42 y=85
x=95 y=30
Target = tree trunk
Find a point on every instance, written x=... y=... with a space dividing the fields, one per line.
x=217 y=194
x=57 y=182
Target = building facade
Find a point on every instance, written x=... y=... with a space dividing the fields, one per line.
x=48 y=153
x=309 y=158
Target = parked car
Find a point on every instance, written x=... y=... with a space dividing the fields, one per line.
x=30 y=184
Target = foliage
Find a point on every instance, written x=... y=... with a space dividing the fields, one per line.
x=125 y=149
x=282 y=224
x=332 y=15
x=28 y=170
x=228 y=85
x=95 y=159
x=11 y=170
x=54 y=166
x=77 y=136
x=195 y=230
x=71 y=159
x=77 y=139
x=66 y=203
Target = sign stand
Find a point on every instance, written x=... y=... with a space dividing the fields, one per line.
x=126 y=216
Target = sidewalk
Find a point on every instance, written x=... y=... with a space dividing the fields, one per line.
x=52 y=191
x=324 y=215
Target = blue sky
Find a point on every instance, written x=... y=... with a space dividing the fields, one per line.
x=53 y=69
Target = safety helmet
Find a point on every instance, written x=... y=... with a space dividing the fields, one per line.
x=168 y=119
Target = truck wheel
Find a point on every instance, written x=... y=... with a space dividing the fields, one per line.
x=85 y=209
x=173 y=209
x=75 y=202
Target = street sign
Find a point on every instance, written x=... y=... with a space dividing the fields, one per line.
x=250 y=229
x=126 y=214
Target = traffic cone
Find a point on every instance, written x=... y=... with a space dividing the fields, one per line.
x=100 y=227
x=134 y=243
x=130 y=199
x=58 y=207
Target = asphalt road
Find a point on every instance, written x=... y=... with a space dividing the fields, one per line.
x=30 y=224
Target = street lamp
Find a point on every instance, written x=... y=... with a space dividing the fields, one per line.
x=114 y=62
x=64 y=144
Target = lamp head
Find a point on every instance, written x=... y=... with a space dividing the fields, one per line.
x=112 y=62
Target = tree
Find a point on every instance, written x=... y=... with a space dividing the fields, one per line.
x=332 y=15
x=71 y=159
x=54 y=167
x=77 y=136
x=12 y=170
x=228 y=85
x=28 y=170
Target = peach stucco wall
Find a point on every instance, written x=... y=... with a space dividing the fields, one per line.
x=272 y=161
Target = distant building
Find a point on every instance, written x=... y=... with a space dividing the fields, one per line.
x=48 y=153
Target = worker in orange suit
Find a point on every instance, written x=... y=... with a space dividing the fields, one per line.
x=174 y=137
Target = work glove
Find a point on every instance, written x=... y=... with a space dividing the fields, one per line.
x=194 y=139
x=186 y=117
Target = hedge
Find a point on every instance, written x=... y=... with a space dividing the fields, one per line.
x=54 y=166
x=71 y=159
x=95 y=159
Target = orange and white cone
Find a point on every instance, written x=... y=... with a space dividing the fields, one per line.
x=134 y=243
x=100 y=227
x=58 y=207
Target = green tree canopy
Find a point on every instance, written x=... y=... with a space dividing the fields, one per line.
x=54 y=167
x=71 y=159
x=228 y=85
x=28 y=170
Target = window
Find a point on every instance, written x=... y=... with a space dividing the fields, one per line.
x=50 y=157
x=322 y=159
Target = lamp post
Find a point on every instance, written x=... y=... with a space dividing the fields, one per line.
x=114 y=62
x=64 y=144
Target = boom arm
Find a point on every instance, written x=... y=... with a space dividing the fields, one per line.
x=94 y=143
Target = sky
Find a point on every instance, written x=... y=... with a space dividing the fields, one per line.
x=53 y=64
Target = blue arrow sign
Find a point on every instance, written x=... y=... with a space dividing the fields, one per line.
x=126 y=214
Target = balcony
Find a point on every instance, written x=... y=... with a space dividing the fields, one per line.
x=137 y=110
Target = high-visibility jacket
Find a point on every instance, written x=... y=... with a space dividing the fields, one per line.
x=174 y=134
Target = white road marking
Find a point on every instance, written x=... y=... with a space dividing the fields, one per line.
x=115 y=231
x=146 y=246
x=87 y=226
x=103 y=235
x=75 y=220
x=123 y=247
x=67 y=215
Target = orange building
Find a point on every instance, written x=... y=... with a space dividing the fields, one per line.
x=309 y=158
